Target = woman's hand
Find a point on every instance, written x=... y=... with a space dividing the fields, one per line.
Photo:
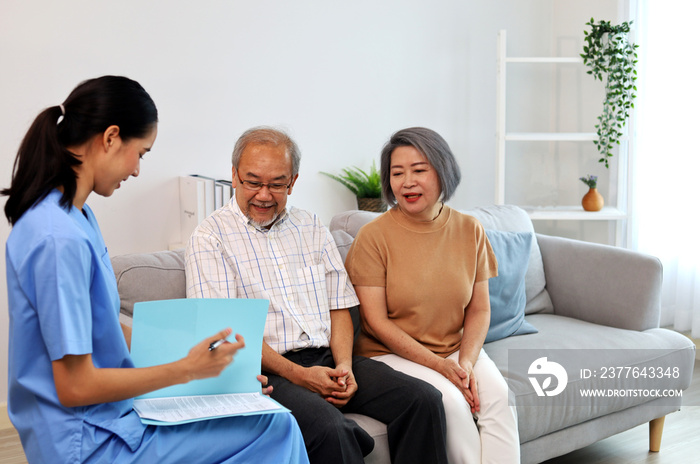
x=472 y=386
x=201 y=362
x=462 y=377
x=79 y=383
x=476 y=325
x=453 y=372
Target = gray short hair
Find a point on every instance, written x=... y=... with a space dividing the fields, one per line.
x=434 y=148
x=265 y=135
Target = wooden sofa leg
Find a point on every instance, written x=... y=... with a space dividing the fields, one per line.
x=656 y=429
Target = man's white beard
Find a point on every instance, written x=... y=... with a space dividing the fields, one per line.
x=263 y=224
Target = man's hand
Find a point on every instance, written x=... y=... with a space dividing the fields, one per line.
x=322 y=380
x=266 y=389
x=347 y=381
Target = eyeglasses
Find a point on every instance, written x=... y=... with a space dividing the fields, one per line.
x=255 y=186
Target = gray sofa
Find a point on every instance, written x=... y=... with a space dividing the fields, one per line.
x=596 y=309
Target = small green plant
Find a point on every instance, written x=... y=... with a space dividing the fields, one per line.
x=591 y=181
x=361 y=183
x=608 y=52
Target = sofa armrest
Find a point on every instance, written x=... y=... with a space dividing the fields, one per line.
x=602 y=284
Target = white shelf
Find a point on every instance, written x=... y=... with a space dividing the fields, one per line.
x=545 y=59
x=573 y=213
x=552 y=136
x=616 y=212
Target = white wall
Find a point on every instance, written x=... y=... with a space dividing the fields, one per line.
x=341 y=77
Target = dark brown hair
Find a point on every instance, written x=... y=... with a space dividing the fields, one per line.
x=43 y=162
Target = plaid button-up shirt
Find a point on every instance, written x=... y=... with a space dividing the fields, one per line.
x=295 y=264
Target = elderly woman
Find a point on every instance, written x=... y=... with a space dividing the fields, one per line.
x=421 y=273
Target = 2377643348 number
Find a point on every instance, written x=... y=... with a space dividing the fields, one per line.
x=629 y=372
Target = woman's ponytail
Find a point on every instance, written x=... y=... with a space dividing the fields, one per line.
x=42 y=164
x=43 y=161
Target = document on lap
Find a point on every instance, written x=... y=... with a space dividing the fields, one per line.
x=183 y=409
x=164 y=331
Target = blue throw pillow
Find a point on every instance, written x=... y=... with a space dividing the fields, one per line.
x=507 y=291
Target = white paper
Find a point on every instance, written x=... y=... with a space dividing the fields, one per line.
x=182 y=409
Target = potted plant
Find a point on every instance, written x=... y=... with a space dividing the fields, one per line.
x=367 y=187
x=608 y=52
x=593 y=200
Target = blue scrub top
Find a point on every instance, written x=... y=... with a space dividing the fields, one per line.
x=63 y=300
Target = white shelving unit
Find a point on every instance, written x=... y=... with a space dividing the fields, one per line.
x=615 y=212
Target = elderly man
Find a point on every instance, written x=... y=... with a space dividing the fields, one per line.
x=256 y=247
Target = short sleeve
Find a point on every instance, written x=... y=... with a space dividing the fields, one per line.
x=366 y=260
x=486 y=263
x=59 y=271
x=341 y=293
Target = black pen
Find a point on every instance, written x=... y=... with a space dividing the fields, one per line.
x=216 y=344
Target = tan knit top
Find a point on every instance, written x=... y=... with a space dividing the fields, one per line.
x=429 y=270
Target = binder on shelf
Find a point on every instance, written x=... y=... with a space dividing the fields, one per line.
x=192 y=205
x=218 y=195
x=209 y=193
x=227 y=190
x=199 y=197
x=164 y=331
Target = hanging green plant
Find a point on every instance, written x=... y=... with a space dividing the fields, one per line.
x=608 y=52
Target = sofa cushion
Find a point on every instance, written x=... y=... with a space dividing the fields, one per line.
x=343 y=241
x=577 y=346
x=507 y=290
x=351 y=221
x=148 y=277
x=513 y=219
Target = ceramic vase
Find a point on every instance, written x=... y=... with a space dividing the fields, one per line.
x=593 y=200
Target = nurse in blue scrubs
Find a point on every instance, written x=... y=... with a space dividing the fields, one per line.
x=71 y=379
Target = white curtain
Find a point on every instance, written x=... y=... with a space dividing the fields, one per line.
x=665 y=215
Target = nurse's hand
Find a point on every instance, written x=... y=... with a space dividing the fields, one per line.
x=79 y=383
x=203 y=361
